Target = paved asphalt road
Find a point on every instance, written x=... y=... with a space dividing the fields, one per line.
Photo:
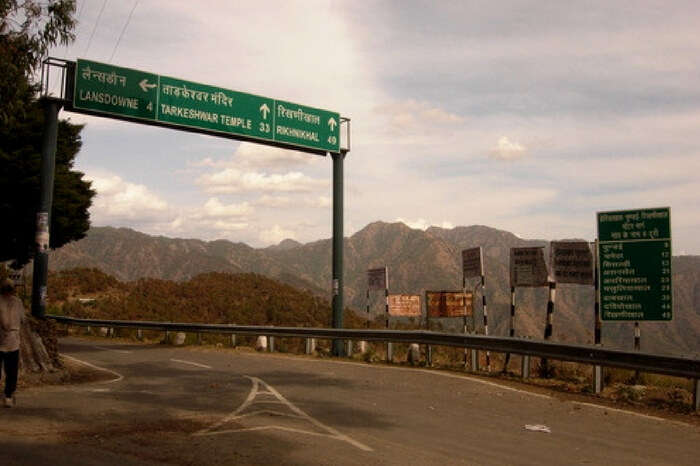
x=166 y=405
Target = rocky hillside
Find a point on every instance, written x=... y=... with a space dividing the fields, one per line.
x=417 y=260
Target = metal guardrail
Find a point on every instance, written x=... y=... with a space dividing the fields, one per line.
x=595 y=355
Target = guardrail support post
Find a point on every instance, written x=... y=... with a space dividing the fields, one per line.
x=139 y=334
x=475 y=360
x=428 y=355
x=348 y=348
x=525 y=366
x=310 y=345
x=597 y=379
x=199 y=338
x=233 y=340
x=696 y=395
x=271 y=344
x=389 y=352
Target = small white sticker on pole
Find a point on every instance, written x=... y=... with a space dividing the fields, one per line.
x=42 y=231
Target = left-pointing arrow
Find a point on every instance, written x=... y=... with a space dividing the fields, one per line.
x=145 y=85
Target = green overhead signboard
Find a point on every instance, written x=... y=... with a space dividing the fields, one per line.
x=634 y=265
x=131 y=94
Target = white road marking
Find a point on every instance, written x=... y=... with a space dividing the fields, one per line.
x=117 y=374
x=415 y=369
x=105 y=348
x=632 y=413
x=182 y=361
x=255 y=391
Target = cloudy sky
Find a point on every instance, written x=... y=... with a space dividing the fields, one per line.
x=527 y=116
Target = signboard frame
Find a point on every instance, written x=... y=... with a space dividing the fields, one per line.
x=540 y=277
x=70 y=91
x=407 y=301
x=469 y=303
x=623 y=253
x=571 y=270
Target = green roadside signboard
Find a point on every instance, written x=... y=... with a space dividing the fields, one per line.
x=138 y=95
x=634 y=265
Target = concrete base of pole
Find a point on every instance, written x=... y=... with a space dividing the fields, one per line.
x=525 y=366
x=362 y=347
x=389 y=352
x=104 y=331
x=413 y=356
x=597 y=379
x=310 y=345
x=179 y=338
x=475 y=360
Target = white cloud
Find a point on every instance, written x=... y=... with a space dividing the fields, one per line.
x=423 y=224
x=273 y=201
x=276 y=234
x=232 y=180
x=118 y=200
x=213 y=208
x=508 y=150
x=318 y=202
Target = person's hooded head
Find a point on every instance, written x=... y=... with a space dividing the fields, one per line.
x=7 y=287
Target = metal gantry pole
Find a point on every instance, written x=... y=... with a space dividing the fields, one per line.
x=337 y=321
x=43 y=215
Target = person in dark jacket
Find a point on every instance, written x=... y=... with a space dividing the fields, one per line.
x=11 y=318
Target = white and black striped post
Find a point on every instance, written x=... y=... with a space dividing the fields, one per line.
x=548 y=324
x=389 y=345
x=367 y=322
x=511 y=331
x=486 y=319
x=428 y=348
x=637 y=346
x=597 y=331
x=464 y=326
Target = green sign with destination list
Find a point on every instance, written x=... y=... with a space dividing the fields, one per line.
x=634 y=264
x=132 y=94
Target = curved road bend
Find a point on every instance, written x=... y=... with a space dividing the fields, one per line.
x=165 y=405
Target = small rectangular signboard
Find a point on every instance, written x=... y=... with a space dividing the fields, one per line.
x=377 y=279
x=449 y=303
x=634 y=265
x=472 y=263
x=571 y=262
x=527 y=267
x=119 y=92
x=404 y=305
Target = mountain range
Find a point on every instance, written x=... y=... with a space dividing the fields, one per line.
x=417 y=260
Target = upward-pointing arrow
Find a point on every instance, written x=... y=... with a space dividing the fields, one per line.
x=264 y=109
x=332 y=123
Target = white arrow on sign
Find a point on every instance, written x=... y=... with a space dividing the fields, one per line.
x=145 y=86
x=264 y=109
x=332 y=123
